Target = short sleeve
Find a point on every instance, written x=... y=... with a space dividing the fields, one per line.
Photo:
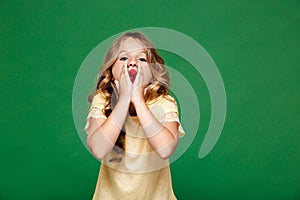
x=96 y=109
x=166 y=110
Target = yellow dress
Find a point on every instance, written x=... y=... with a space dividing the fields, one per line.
x=141 y=174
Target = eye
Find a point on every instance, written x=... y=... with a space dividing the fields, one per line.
x=142 y=60
x=123 y=58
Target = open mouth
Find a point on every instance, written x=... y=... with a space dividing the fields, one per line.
x=132 y=74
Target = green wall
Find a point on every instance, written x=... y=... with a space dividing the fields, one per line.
x=255 y=44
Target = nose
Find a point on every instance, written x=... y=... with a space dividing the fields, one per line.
x=132 y=63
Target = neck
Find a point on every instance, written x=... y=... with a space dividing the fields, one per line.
x=132 y=111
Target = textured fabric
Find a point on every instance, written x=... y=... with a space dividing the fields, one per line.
x=141 y=174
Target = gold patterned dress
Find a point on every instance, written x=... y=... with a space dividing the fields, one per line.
x=141 y=173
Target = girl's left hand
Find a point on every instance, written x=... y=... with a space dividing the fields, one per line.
x=137 y=95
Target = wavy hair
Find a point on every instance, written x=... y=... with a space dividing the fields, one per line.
x=159 y=86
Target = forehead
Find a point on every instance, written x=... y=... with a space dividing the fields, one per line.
x=131 y=45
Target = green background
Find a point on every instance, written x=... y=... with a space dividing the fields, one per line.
x=255 y=44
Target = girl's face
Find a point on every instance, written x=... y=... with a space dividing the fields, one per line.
x=133 y=55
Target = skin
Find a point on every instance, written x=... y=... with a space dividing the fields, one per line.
x=103 y=133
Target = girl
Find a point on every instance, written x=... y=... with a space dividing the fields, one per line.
x=133 y=124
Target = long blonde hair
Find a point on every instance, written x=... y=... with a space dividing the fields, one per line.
x=105 y=85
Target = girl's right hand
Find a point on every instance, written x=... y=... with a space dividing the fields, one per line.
x=124 y=86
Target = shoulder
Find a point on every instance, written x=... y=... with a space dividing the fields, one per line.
x=167 y=100
x=162 y=99
x=98 y=99
x=99 y=96
x=164 y=103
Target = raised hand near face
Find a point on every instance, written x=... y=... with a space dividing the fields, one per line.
x=124 y=86
x=137 y=95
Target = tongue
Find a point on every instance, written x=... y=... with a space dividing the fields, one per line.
x=132 y=74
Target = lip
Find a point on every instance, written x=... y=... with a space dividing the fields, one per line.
x=132 y=74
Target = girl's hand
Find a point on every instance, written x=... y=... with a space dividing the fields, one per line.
x=124 y=86
x=137 y=95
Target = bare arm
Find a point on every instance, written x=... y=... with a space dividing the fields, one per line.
x=162 y=137
x=103 y=133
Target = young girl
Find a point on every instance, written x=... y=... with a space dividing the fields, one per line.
x=133 y=124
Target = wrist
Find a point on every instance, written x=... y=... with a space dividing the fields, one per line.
x=124 y=100
x=138 y=102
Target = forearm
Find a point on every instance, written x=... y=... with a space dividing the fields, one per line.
x=102 y=140
x=162 y=140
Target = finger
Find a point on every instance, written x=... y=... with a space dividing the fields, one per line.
x=141 y=75
x=137 y=78
x=124 y=74
x=122 y=70
x=117 y=83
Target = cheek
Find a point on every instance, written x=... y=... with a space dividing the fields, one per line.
x=116 y=71
x=147 y=74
